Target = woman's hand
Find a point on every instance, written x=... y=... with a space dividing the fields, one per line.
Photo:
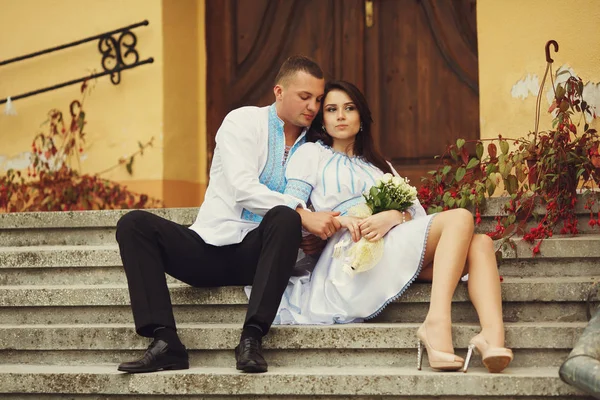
x=377 y=226
x=351 y=223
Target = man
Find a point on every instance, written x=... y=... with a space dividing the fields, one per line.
x=247 y=231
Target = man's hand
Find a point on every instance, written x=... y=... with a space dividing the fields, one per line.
x=352 y=224
x=312 y=244
x=322 y=224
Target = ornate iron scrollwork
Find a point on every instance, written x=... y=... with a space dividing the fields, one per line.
x=118 y=52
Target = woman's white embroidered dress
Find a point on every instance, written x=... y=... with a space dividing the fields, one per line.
x=327 y=295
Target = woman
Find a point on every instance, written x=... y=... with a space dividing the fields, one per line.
x=332 y=172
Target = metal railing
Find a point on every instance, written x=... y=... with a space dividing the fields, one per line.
x=119 y=51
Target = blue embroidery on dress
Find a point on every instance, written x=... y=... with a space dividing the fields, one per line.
x=298 y=189
x=324 y=170
x=351 y=175
x=337 y=175
x=345 y=205
x=367 y=171
x=273 y=174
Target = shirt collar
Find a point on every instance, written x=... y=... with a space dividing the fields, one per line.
x=280 y=123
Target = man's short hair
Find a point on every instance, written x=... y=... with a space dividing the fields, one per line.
x=295 y=64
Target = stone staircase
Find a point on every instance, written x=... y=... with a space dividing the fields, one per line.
x=65 y=323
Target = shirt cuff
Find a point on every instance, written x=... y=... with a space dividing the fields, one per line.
x=299 y=189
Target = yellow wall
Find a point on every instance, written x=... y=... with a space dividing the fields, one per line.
x=184 y=93
x=163 y=100
x=512 y=35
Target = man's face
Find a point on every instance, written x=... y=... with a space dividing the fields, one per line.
x=299 y=98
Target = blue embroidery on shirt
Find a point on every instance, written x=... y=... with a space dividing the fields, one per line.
x=298 y=189
x=273 y=174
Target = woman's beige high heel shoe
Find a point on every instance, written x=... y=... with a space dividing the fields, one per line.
x=437 y=359
x=495 y=359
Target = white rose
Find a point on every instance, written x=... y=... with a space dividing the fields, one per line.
x=397 y=180
x=386 y=178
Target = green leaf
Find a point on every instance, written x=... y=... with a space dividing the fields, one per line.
x=490 y=187
x=581 y=171
x=512 y=184
x=502 y=168
x=586 y=126
x=504 y=146
x=472 y=163
x=479 y=150
x=446 y=169
x=460 y=173
x=521 y=175
x=560 y=92
x=454 y=155
x=460 y=143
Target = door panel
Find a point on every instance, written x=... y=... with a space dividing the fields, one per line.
x=417 y=65
x=248 y=40
x=422 y=81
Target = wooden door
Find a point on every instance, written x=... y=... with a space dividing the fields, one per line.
x=417 y=64
x=422 y=79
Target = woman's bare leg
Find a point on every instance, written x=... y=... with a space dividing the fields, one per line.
x=484 y=289
x=447 y=247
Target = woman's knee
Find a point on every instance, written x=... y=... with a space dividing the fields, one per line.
x=463 y=218
x=482 y=242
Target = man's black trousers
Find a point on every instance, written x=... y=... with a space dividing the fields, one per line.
x=152 y=246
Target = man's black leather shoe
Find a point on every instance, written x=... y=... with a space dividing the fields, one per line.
x=248 y=356
x=158 y=357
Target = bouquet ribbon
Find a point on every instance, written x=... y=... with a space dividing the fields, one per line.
x=358 y=256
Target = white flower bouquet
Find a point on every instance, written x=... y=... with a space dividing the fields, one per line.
x=389 y=193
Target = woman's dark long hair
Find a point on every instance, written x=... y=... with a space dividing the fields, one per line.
x=363 y=142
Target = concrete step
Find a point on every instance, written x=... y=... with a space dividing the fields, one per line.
x=561 y=256
x=98 y=227
x=382 y=344
x=525 y=299
x=285 y=383
x=74 y=227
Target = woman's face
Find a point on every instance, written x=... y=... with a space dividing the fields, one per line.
x=340 y=116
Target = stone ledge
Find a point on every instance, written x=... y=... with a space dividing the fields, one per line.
x=538 y=289
x=283 y=382
x=535 y=335
x=584 y=246
x=185 y=216
x=86 y=219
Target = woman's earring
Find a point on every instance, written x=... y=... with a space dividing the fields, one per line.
x=323 y=128
x=360 y=127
